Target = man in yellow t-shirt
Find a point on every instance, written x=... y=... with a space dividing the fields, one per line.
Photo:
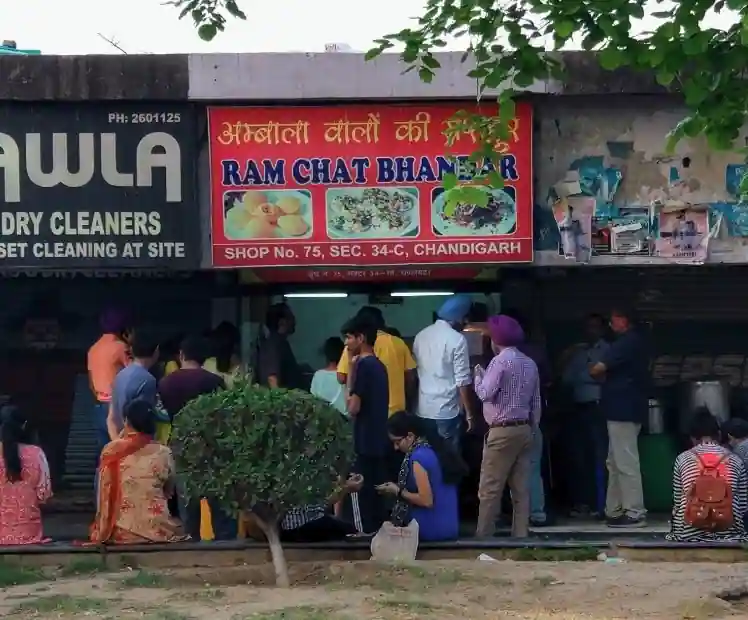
x=393 y=353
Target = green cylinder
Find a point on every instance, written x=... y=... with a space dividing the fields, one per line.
x=657 y=454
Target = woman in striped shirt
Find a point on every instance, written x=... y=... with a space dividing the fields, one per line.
x=705 y=435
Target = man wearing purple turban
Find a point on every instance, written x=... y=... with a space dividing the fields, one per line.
x=510 y=391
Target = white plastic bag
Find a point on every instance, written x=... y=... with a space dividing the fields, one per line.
x=395 y=544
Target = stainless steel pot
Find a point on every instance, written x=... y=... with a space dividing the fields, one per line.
x=656 y=418
x=710 y=393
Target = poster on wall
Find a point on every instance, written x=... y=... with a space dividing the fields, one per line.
x=573 y=217
x=361 y=185
x=105 y=186
x=683 y=234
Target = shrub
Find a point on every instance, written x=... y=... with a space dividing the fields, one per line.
x=262 y=450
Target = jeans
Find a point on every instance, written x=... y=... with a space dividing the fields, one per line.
x=537 y=491
x=450 y=431
x=225 y=527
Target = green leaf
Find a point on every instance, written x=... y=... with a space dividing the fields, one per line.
x=696 y=44
x=524 y=80
x=426 y=74
x=234 y=10
x=507 y=111
x=495 y=180
x=207 y=32
x=475 y=195
x=665 y=78
x=449 y=181
x=564 y=28
x=430 y=62
x=611 y=58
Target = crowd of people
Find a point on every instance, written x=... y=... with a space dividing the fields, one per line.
x=409 y=411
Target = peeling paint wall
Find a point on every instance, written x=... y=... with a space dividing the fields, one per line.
x=617 y=149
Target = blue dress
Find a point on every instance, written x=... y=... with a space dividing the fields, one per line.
x=441 y=521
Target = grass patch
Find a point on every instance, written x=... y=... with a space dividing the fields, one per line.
x=62 y=603
x=208 y=594
x=540 y=582
x=582 y=554
x=165 y=614
x=303 y=612
x=142 y=579
x=16 y=575
x=702 y=609
x=409 y=605
x=400 y=577
x=83 y=566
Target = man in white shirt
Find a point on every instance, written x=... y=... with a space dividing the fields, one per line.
x=444 y=378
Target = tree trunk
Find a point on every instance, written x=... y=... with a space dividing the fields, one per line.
x=276 y=551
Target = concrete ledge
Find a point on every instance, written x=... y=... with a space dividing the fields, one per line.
x=94 y=78
x=270 y=78
x=234 y=553
x=273 y=78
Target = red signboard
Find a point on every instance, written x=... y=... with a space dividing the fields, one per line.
x=360 y=185
x=368 y=274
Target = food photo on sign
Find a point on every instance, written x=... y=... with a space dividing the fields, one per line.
x=363 y=185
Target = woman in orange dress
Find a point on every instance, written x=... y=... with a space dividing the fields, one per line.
x=136 y=478
x=24 y=482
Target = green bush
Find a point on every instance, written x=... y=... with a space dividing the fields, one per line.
x=261 y=450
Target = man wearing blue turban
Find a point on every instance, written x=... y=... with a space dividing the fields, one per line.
x=444 y=377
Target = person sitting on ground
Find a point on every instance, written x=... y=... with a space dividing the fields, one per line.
x=736 y=431
x=325 y=385
x=426 y=488
x=136 y=478
x=24 y=481
x=710 y=488
x=316 y=523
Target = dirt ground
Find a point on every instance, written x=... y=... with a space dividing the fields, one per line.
x=368 y=591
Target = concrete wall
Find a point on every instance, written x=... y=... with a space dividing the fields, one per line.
x=627 y=135
x=615 y=122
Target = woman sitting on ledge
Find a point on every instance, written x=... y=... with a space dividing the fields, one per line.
x=710 y=488
x=426 y=487
x=136 y=478
x=24 y=482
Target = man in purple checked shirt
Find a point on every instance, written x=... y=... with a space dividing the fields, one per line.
x=510 y=391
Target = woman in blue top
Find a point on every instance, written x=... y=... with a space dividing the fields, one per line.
x=426 y=488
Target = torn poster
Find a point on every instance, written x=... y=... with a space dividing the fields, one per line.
x=573 y=217
x=683 y=234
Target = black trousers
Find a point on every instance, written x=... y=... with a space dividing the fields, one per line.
x=324 y=529
x=587 y=454
x=373 y=506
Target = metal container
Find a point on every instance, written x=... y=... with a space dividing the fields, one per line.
x=710 y=393
x=656 y=418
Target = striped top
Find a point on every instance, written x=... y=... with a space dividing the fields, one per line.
x=687 y=469
x=509 y=389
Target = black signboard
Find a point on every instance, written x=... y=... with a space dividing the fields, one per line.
x=98 y=185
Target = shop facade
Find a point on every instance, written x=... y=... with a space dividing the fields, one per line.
x=99 y=209
x=617 y=218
